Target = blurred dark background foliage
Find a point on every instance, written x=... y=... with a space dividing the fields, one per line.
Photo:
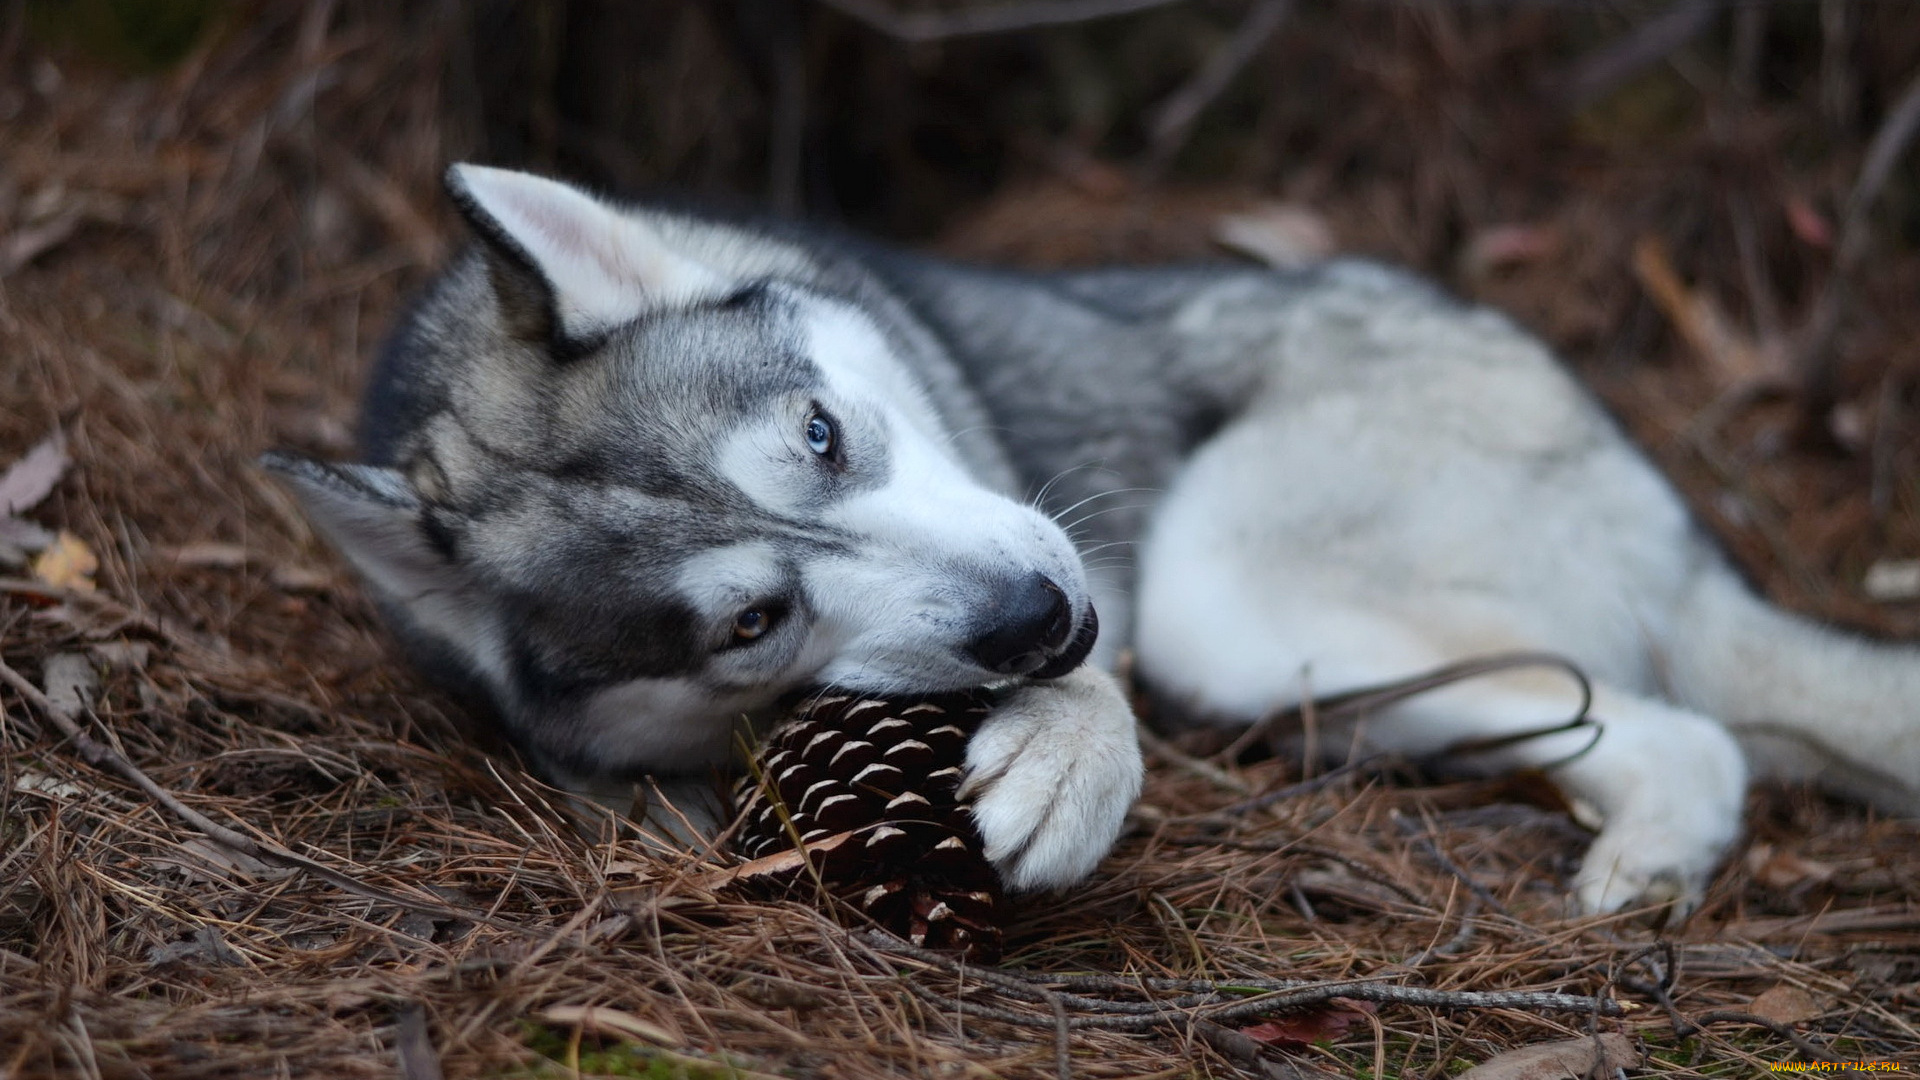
x=802 y=107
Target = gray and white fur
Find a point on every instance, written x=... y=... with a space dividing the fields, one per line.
x=634 y=474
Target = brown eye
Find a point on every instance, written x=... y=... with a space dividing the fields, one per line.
x=756 y=622
x=750 y=624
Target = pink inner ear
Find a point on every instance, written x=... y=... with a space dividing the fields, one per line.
x=605 y=266
x=561 y=231
x=570 y=235
x=580 y=236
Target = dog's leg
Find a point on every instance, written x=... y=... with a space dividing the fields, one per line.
x=1052 y=773
x=1807 y=701
x=1667 y=783
x=1236 y=621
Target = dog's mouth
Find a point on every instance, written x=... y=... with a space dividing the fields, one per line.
x=1076 y=651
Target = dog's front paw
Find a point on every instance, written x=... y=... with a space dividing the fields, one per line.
x=1653 y=863
x=1051 y=774
x=1670 y=786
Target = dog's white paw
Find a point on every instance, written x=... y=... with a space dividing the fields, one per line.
x=1653 y=863
x=1669 y=785
x=1051 y=774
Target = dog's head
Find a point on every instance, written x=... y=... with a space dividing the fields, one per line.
x=637 y=476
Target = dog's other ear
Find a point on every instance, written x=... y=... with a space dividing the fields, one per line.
x=566 y=266
x=372 y=516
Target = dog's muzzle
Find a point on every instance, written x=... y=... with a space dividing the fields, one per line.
x=1034 y=633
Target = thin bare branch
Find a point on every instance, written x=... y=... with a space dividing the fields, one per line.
x=1813 y=357
x=1228 y=999
x=1174 y=118
x=1807 y=1047
x=1637 y=50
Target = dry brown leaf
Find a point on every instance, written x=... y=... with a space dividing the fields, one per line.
x=28 y=782
x=34 y=476
x=202 y=860
x=628 y=868
x=24 y=534
x=206 y=947
x=1808 y=224
x=1779 y=869
x=784 y=862
x=27 y=244
x=1501 y=246
x=1571 y=1059
x=70 y=682
x=1297 y=1031
x=1889 y=580
x=67 y=563
x=1785 y=1003
x=1737 y=361
x=1281 y=235
x=220 y=555
x=121 y=655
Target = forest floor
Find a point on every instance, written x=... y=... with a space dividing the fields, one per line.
x=195 y=267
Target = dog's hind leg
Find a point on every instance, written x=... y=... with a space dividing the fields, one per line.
x=1808 y=702
x=1237 y=618
x=1667 y=783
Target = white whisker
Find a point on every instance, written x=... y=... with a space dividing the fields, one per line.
x=1065 y=510
x=1091 y=514
x=1041 y=496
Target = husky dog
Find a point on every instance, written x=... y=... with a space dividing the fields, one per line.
x=633 y=474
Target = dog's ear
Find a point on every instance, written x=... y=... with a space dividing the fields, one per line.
x=373 y=517
x=566 y=266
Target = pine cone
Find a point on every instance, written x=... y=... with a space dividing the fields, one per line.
x=869 y=786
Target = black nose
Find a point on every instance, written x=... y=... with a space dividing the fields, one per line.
x=1031 y=621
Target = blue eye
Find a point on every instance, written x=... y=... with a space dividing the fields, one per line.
x=819 y=435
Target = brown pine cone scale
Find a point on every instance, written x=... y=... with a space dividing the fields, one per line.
x=869 y=787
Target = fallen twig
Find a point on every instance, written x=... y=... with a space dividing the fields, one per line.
x=1222 y=1001
x=1422 y=834
x=1801 y=1043
x=1180 y=759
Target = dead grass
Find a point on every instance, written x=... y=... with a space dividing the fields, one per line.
x=232 y=238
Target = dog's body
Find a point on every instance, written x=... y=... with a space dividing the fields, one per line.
x=634 y=474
